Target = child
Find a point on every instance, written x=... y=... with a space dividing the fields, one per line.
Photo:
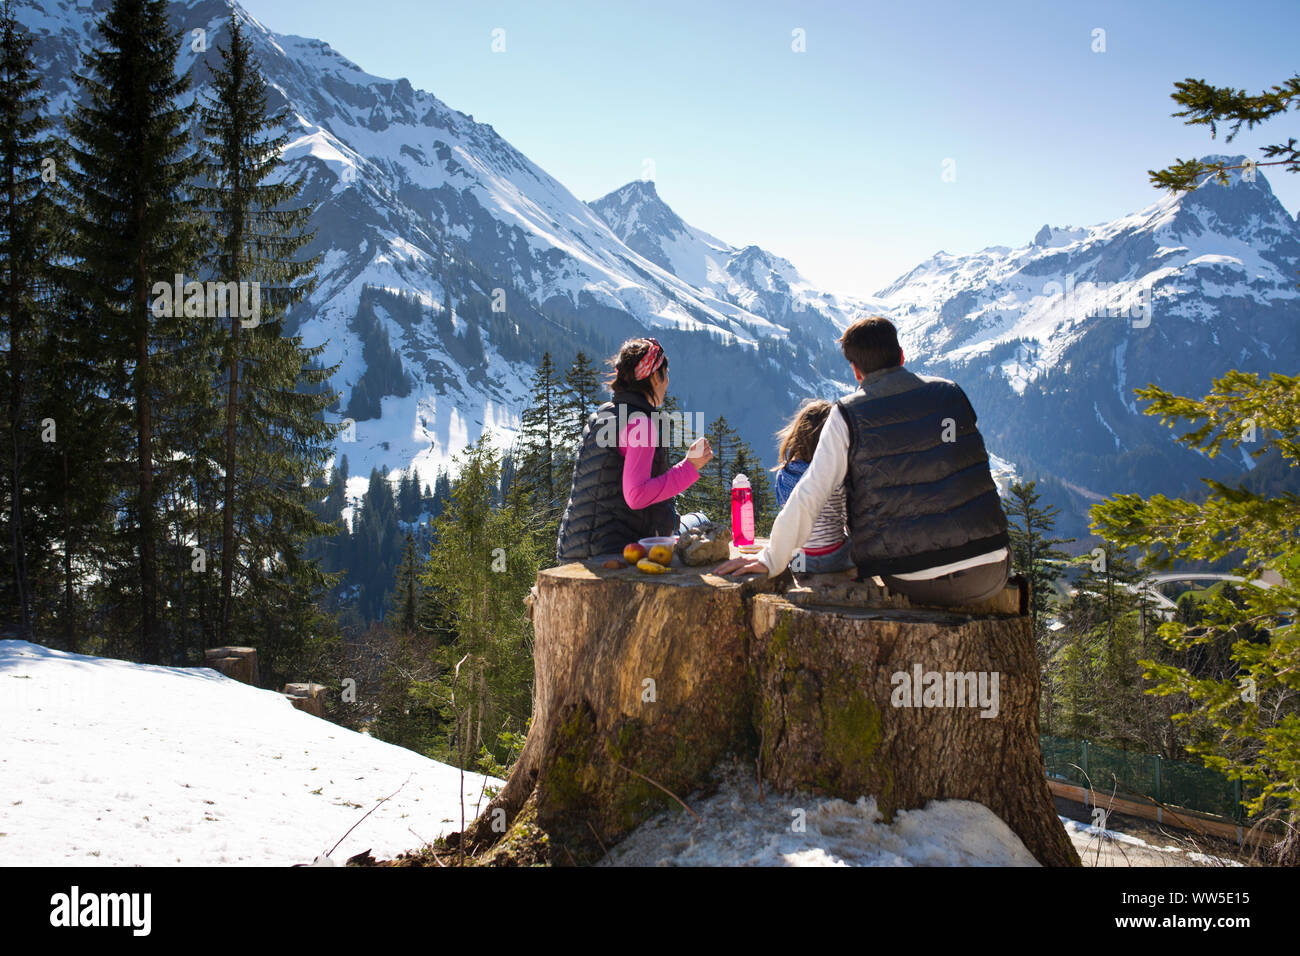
x=827 y=547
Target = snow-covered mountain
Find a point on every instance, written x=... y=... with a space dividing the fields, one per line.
x=416 y=198
x=472 y=260
x=1197 y=257
x=749 y=277
x=1050 y=338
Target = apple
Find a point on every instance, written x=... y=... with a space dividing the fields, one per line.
x=661 y=554
x=634 y=552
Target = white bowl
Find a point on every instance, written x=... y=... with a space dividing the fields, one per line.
x=667 y=542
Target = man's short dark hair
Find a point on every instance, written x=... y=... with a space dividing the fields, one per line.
x=872 y=344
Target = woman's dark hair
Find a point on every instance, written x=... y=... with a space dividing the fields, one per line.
x=798 y=439
x=872 y=344
x=623 y=378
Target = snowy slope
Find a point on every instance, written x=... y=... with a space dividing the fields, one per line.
x=109 y=762
x=121 y=764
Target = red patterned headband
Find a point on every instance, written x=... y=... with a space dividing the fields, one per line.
x=650 y=362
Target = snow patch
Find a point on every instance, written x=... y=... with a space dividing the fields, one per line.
x=735 y=828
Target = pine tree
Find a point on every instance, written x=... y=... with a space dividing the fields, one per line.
x=473 y=343
x=274 y=437
x=442 y=322
x=579 y=395
x=1074 y=680
x=375 y=546
x=721 y=469
x=132 y=163
x=1104 y=594
x=535 y=453
x=1206 y=105
x=406 y=599
x=441 y=493
x=337 y=499
x=711 y=493
x=27 y=243
x=482 y=567
x=408 y=496
x=1034 y=554
x=361 y=405
x=1106 y=620
x=1246 y=724
x=82 y=432
x=1033 y=549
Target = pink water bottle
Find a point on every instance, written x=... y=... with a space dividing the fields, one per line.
x=742 y=512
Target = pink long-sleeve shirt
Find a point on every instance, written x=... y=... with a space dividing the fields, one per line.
x=636 y=444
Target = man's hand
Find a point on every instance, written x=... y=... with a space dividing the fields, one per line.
x=741 y=565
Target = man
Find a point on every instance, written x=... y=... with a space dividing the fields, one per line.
x=923 y=511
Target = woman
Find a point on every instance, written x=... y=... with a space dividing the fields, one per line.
x=623 y=486
x=827 y=547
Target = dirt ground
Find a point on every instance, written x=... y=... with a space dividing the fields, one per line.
x=1160 y=845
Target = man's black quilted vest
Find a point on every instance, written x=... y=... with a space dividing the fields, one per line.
x=597 y=519
x=919 y=490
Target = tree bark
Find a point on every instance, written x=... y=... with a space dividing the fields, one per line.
x=632 y=672
x=17 y=370
x=839 y=712
x=143 y=397
x=228 y=549
x=70 y=642
x=643 y=684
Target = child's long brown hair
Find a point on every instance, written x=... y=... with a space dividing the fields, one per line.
x=798 y=439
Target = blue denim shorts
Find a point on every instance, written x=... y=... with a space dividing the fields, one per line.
x=838 y=560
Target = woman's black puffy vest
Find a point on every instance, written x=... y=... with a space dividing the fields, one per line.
x=919 y=490
x=597 y=519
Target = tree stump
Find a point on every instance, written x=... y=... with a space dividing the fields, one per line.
x=307 y=697
x=636 y=676
x=906 y=704
x=238 y=663
x=644 y=683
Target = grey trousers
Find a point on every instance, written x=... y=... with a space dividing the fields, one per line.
x=962 y=587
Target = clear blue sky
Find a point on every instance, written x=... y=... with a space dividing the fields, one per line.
x=833 y=157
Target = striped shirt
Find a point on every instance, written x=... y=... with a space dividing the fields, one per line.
x=830 y=529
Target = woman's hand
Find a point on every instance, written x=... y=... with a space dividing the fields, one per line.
x=700 y=453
